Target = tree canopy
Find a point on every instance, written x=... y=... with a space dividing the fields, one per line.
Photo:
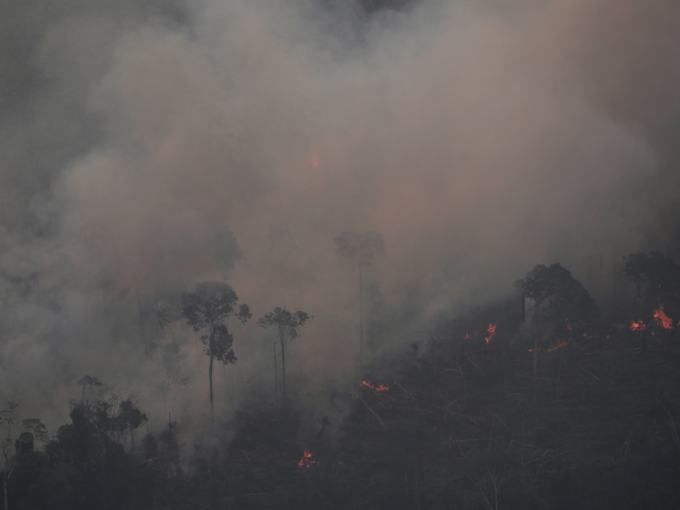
x=287 y=324
x=360 y=247
x=559 y=297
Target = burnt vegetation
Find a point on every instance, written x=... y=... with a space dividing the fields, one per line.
x=496 y=410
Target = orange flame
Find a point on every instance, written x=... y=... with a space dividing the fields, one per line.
x=570 y=327
x=665 y=320
x=306 y=460
x=637 y=326
x=492 y=332
x=315 y=160
x=379 y=387
x=467 y=336
x=558 y=345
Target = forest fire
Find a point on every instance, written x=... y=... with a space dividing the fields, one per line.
x=492 y=332
x=306 y=459
x=379 y=387
x=558 y=345
x=637 y=325
x=665 y=321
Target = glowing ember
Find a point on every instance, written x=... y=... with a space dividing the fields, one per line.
x=665 y=321
x=570 y=327
x=315 y=160
x=558 y=345
x=467 y=336
x=306 y=460
x=379 y=387
x=492 y=332
x=637 y=326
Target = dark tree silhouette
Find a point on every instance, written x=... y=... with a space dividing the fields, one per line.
x=287 y=324
x=656 y=278
x=88 y=381
x=34 y=429
x=130 y=419
x=560 y=299
x=209 y=308
x=360 y=248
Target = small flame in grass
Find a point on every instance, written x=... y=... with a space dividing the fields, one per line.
x=379 y=387
x=306 y=459
x=558 y=345
x=492 y=332
x=467 y=336
x=637 y=326
x=665 y=321
x=570 y=327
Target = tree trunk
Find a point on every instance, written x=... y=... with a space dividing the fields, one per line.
x=276 y=378
x=535 y=361
x=4 y=485
x=361 y=322
x=210 y=379
x=283 y=367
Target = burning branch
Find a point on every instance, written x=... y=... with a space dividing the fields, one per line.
x=665 y=321
x=492 y=332
x=379 y=387
x=306 y=459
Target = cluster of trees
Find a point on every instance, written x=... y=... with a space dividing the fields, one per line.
x=209 y=307
x=84 y=465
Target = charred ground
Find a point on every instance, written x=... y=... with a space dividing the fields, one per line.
x=455 y=421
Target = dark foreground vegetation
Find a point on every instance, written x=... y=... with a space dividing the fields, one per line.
x=486 y=415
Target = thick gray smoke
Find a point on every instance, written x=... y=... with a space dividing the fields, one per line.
x=480 y=138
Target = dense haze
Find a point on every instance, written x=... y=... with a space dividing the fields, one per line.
x=480 y=137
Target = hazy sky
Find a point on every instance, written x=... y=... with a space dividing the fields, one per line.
x=480 y=137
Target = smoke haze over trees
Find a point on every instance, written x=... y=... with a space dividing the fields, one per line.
x=148 y=145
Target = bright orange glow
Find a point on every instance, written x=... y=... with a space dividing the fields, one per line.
x=379 y=387
x=467 y=336
x=637 y=326
x=315 y=160
x=306 y=460
x=492 y=332
x=665 y=321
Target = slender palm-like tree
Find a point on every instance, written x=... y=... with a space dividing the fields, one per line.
x=208 y=308
x=287 y=324
x=360 y=248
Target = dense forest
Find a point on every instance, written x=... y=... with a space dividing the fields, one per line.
x=507 y=407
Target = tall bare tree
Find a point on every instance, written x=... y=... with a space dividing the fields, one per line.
x=287 y=324
x=209 y=308
x=360 y=248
